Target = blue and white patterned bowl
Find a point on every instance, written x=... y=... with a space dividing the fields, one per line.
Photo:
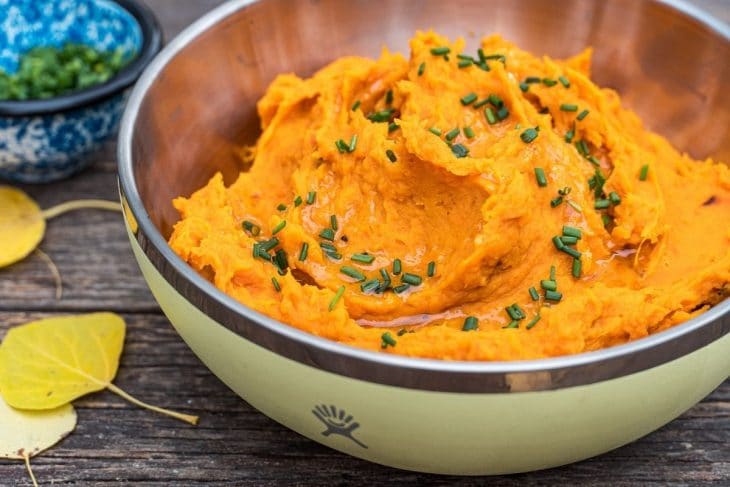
x=47 y=140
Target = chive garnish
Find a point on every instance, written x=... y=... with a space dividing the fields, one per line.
x=386 y=280
x=576 y=268
x=392 y=127
x=303 y=252
x=606 y=220
x=391 y=155
x=471 y=323
x=381 y=116
x=311 y=196
x=353 y=143
x=387 y=340
x=571 y=252
x=569 y=240
x=549 y=82
x=281 y=260
x=572 y=231
x=337 y=297
x=281 y=207
x=514 y=312
x=412 y=279
x=495 y=100
x=370 y=285
x=553 y=296
x=469 y=132
x=567 y=107
x=583 y=114
x=533 y=293
x=540 y=176
x=533 y=322
x=452 y=134
x=352 y=272
x=532 y=80
x=279 y=227
x=569 y=135
x=556 y=201
x=644 y=172
x=601 y=204
x=468 y=99
x=401 y=288
x=490 y=116
x=459 y=150
x=614 y=198
x=389 y=97
x=582 y=147
x=431 y=269
x=327 y=247
x=512 y=324
x=341 y=146
x=501 y=57
x=356 y=105
x=327 y=234
x=549 y=284
x=465 y=63
x=421 y=69
x=524 y=87
x=251 y=227
x=564 y=81
x=502 y=113
x=363 y=257
x=558 y=243
x=481 y=103
x=435 y=131
x=553 y=272
x=396 y=266
x=333 y=222
x=575 y=206
x=269 y=244
x=528 y=135
x=297 y=201
x=276 y=284
x=564 y=191
x=402 y=332
x=440 y=51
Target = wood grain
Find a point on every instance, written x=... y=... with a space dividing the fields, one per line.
x=116 y=443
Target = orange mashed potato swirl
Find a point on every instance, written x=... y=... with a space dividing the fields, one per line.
x=411 y=161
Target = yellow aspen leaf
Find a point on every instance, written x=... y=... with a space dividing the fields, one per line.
x=23 y=223
x=25 y=434
x=50 y=362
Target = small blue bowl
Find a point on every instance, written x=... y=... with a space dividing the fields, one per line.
x=47 y=140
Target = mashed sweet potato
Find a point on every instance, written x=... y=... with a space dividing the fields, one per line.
x=528 y=213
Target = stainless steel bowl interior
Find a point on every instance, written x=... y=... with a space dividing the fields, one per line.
x=195 y=106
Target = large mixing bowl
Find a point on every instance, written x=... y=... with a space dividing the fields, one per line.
x=194 y=107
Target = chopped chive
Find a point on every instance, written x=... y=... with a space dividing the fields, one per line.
x=363 y=257
x=549 y=284
x=421 y=69
x=431 y=269
x=528 y=135
x=514 y=312
x=558 y=243
x=465 y=63
x=392 y=127
x=387 y=340
x=276 y=284
x=402 y=332
x=556 y=201
x=281 y=260
x=564 y=81
x=569 y=135
x=333 y=222
x=490 y=116
x=452 y=134
x=601 y=204
x=540 y=176
x=549 y=82
x=606 y=220
x=576 y=268
x=481 y=103
x=341 y=146
x=469 y=132
x=615 y=198
x=533 y=293
x=582 y=147
x=644 y=172
x=297 y=201
x=468 y=99
x=572 y=231
x=501 y=57
x=328 y=234
x=281 y=207
x=553 y=296
x=370 y=285
x=391 y=155
x=575 y=206
x=569 y=240
x=327 y=247
x=412 y=279
x=512 y=324
x=502 y=113
x=583 y=114
x=571 y=252
x=389 y=97
x=532 y=80
x=355 y=105
x=533 y=322
x=496 y=101
x=386 y=280
x=353 y=144
x=251 y=227
x=553 y=272
x=524 y=87
x=483 y=65
x=459 y=150
x=381 y=116
x=401 y=288
x=269 y=244
x=396 y=266
x=334 y=255
x=435 y=131
x=279 y=227
x=337 y=297
x=352 y=272
x=593 y=160
x=440 y=51
x=303 y=252
x=255 y=251
x=567 y=107
x=564 y=191
x=480 y=53
x=311 y=196
x=471 y=323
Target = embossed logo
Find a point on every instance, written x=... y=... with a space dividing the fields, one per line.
x=337 y=421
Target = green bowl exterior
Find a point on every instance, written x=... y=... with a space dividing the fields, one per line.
x=438 y=432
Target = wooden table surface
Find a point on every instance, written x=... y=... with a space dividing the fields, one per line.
x=234 y=444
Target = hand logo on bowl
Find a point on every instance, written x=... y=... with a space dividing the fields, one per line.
x=338 y=422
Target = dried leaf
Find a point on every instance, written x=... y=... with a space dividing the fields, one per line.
x=47 y=363
x=25 y=434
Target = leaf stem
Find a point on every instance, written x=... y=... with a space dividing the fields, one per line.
x=54 y=211
x=54 y=271
x=26 y=457
x=183 y=417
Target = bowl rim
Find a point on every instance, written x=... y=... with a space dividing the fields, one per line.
x=403 y=371
x=126 y=77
